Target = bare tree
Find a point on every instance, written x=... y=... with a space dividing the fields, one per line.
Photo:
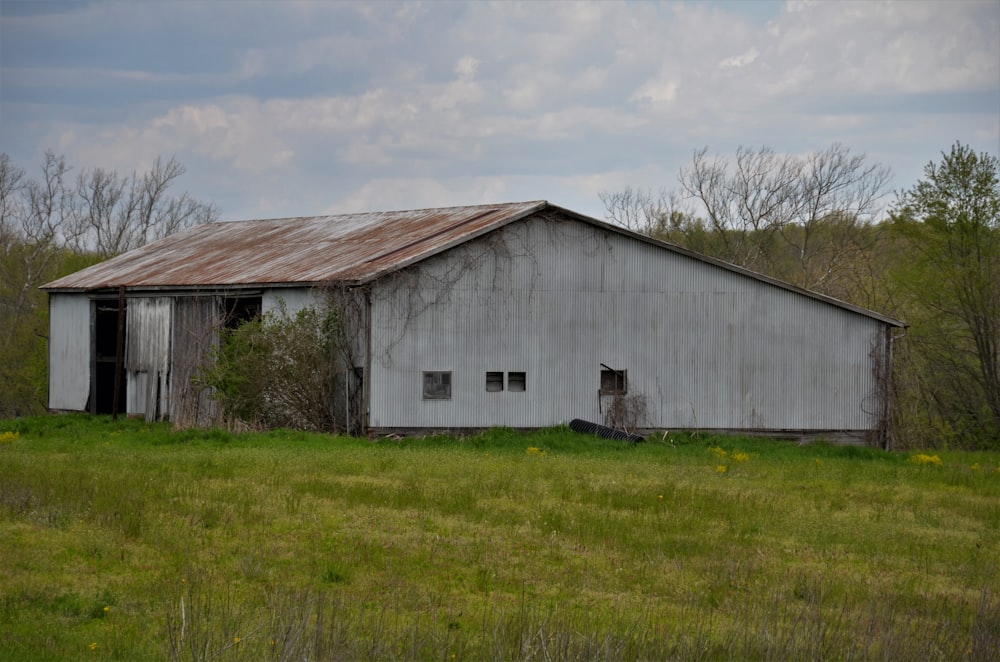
x=634 y=209
x=767 y=200
x=838 y=192
x=121 y=213
x=791 y=217
x=664 y=216
x=11 y=183
x=11 y=178
x=35 y=218
x=746 y=207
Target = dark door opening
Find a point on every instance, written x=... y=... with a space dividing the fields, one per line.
x=104 y=349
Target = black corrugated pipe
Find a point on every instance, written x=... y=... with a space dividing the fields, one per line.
x=586 y=427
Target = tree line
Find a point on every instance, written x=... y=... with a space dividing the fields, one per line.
x=930 y=256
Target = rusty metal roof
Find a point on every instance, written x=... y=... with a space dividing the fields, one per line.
x=314 y=249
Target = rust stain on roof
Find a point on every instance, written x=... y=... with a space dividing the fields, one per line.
x=314 y=249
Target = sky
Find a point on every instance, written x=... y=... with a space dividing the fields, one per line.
x=304 y=108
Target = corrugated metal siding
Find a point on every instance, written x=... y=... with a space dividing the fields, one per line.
x=147 y=356
x=293 y=298
x=69 y=352
x=706 y=347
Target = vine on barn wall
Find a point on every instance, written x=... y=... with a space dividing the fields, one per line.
x=420 y=287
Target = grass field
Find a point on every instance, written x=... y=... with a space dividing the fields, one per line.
x=128 y=541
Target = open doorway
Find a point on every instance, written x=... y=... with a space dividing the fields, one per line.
x=104 y=351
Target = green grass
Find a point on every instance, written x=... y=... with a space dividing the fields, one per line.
x=128 y=541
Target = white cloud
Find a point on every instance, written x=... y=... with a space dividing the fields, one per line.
x=740 y=60
x=656 y=91
x=905 y=47
x=419 y=192
x=465 y=68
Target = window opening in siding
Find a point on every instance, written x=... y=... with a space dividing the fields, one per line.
x=494 y=382
x=437 y=386
x=614 y=382
x=516 y=381
x=237 y=310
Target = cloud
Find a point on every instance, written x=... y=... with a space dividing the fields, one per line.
x=465 y=68
x=419 y=192
x=740 y=60
x=309 y=103
x=866 y=47
x=656 y=91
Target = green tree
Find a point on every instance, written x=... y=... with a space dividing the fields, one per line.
x=951 y=284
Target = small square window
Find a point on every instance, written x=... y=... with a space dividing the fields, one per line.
x=494 y=382
x=437 y=386
x=614 y=382
x=516 y=381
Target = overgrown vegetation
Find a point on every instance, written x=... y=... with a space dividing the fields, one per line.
x=132 y=541
x=291 y=370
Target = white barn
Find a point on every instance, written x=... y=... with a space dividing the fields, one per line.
x=521 y=314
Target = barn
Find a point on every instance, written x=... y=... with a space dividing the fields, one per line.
x=519 y=314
